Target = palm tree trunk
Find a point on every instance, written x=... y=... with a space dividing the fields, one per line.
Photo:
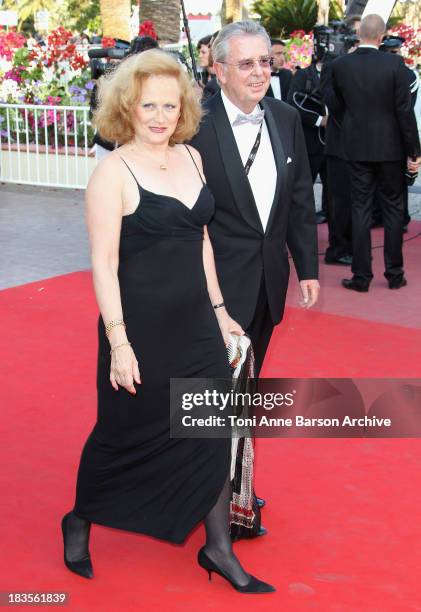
x=165 y=16
x=323 y=14
x=233 y=10
x=115 y=18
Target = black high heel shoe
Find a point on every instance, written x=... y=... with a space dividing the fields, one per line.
x=82 y=567
x=254 y=585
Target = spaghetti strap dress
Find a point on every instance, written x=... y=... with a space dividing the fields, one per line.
x=132 y=475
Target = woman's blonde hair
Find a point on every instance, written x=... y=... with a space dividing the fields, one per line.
x=120 y=90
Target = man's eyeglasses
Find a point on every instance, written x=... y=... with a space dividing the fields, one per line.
x=248 y=64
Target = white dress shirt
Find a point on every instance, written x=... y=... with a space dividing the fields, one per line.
x=275 y=83
x=263 y=174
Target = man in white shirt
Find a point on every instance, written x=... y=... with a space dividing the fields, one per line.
x=259 y=213
x=280 y=79
x=255 y=162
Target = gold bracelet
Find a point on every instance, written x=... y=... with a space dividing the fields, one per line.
x=112 y=324
x=118 y=346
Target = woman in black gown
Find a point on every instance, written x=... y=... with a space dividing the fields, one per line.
x=156 y=287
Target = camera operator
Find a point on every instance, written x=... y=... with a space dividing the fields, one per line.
x=304 y=94
x=281 y=77
x=380 y=131
x=113 y=56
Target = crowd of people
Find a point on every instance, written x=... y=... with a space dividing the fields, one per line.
x=191 y=218
x=324 y=112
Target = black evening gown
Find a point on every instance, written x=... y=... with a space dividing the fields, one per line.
x=132 y=475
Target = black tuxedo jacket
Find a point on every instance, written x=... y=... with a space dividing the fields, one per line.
x=372 y=89
x=307 y=81
x=211 y=88
x=285 y=78
x=333 y=133
x=244 y=252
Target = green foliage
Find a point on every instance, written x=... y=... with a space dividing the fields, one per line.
x=336 y=11
x=397 y=17
x=81 y=15
x=281 y=17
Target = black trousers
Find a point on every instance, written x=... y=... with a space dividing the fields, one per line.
x=318 y=167
x=377 y=212
x=261 y=328
x=387 y=178
x=339 y=208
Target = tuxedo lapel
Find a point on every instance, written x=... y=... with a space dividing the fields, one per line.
x=231 y=160
x=280 y=159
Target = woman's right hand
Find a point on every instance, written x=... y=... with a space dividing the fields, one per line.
x=124 y=369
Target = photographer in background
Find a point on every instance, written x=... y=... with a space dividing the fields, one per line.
x=98 y=68
x=304 y=94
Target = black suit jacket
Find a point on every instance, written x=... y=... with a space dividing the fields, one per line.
x=285 y=78
x=244 y=253
x=372 y=89
x=333 y=134
x=304 y=95
x=211 y=88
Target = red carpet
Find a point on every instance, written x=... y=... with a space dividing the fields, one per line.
x=344 y=516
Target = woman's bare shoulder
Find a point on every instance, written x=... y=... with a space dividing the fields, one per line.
x=195 y=153
x=108 y=172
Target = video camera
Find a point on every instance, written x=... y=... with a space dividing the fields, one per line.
x=333 y=40
x=121 y=50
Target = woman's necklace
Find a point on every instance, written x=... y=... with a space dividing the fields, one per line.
x=162 y=166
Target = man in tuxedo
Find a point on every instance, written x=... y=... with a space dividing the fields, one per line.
x=393 y=44
x=256 y=165
x=380 y=131
x=281 y=77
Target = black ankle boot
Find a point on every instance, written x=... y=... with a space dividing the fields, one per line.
x=83 y=566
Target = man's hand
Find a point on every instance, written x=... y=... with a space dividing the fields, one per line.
x=310 y=290
x=324 y=121
x=414 y=164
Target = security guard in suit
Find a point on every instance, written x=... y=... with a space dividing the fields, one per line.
x=393 y=44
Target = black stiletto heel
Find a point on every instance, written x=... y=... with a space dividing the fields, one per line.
x=82 y=567
x=254 y=585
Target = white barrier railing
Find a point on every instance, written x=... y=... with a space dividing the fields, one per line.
x=45 y=145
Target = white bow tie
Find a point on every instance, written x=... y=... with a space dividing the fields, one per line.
x=255 y=118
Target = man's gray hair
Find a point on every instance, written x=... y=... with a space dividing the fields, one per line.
x=220 y=46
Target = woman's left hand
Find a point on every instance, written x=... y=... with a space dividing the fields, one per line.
x=228 y=325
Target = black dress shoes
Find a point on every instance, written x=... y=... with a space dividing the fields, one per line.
x=397 y=283
x=344 y=260
x=354 y=285
x=260 y=502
